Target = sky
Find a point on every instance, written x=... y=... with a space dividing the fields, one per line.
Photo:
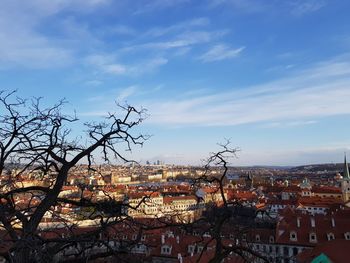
x=271 y=76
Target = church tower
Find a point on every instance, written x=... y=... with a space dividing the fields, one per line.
x=345 y=183
x=249 y=181
x=306 y=187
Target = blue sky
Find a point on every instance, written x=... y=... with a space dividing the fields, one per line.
x=272 y=76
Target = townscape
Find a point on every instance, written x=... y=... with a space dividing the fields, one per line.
x=174 y=131
x=282 y=214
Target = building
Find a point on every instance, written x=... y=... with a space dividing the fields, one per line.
x=345 y=182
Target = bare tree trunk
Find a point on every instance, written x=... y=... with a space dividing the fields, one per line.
x=23 y=255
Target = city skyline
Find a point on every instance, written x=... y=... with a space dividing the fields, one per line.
x=273 y=78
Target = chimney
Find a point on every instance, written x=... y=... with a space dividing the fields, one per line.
x=333 y=222
x=163 y=239
x=312 y=219
x=179 y=257
x=298 y=221
x=178 y=239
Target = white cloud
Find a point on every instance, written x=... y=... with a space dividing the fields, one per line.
x=22 y=45
x=185 y=25
x=47 y=8
x=315 y=155
x=93 y=82
x=122 y=30
x=288 y=124
x=154 y=5
x=303 y=7
x=293 y=7
x=115 y=69
x=319 y=91
x=151 y=65
x=109 y=64
x=220 y=52
x=245 y=6
x=125 y=93
x=182 y=40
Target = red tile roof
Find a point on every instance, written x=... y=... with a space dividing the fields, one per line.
x=335 y=250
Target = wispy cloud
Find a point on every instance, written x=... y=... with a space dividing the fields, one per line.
x=22 y=45
x=246 y=6
x=115 y=69
x=303 y=7
x=93 y=82
x=119 y=95
x=109 y=64
x=125 y=93
x=185 y=39
x=155 y=5
x=293 y=7
x=319 y=91
x=220 y=52
x=289 y=124
x=122 y=30
x=185 y=25
x=312 y=155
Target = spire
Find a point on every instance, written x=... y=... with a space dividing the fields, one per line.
x=346 y=168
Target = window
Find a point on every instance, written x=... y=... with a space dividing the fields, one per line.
x=347 y=235
x=257 y=238
x=191 y=249
x=293 y=236
x=206 y=234
x=295 y=251
x=313 y=237
x=330 y=236
x=143 y=238
x=272 y=239
x=166 y=250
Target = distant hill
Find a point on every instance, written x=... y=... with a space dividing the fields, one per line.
x=330 y=167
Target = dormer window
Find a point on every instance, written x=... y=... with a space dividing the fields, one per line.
x=143 y=237
x=271 y=239
x=312 y=238
x=293 y=236
x=330 y=236
x=257 y=238
x=166 y=250
x=191 y=249
x=312 y=220
x=206 y=234
x=347 y=235
x=200 y=249
x=134 y=236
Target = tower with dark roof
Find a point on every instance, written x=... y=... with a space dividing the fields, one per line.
x=345 y=183
x=249 y=180
x=346 y=169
